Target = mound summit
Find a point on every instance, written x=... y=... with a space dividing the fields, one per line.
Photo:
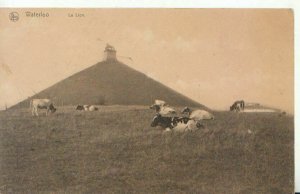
x=110 y=82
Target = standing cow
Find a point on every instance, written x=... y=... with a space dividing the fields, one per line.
x=238 y=106
x=36 y=104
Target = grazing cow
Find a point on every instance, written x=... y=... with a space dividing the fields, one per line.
x=238 y=106
x=163 y=110
x=36 y=104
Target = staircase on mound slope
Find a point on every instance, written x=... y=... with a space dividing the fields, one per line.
x=110 y=82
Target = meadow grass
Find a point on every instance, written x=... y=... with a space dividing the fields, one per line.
x=114 y=150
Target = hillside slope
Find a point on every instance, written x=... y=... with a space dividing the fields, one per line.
x=110 y=82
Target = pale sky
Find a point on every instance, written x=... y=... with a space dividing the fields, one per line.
x=214 y=56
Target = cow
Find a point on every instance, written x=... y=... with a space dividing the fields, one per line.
x=79 y=107
x=198 y=114
x=86 y=107
x=160 y=102
x=36 y=104
x=93 y=108
x=238 y=106
x=196 y=117
x=164 y=122
x=163 y=110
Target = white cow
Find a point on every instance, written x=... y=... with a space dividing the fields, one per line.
x=191 y=125
x=36 y=104
x=160 y=102
x=86 y=107
x=163 y=110
x=198 y=114
x=161 y=107
x=93 y=108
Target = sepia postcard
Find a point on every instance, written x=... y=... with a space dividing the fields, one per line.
x=146 y=100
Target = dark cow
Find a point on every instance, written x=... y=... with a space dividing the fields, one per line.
x=79 y=107
x=238 y=106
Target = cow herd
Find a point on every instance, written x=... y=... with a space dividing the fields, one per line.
x=36 y=104
x=165 y=118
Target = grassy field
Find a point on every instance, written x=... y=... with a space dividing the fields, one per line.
x=115 y=150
